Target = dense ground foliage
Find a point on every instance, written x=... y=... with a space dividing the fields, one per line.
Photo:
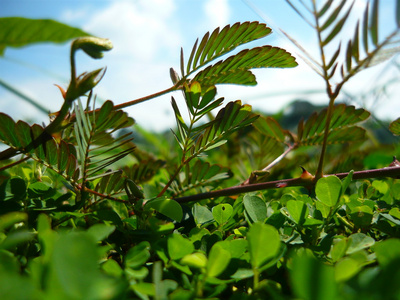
x=222 y=207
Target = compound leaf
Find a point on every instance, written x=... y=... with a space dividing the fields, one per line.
x=235 y=69
x=341 y=129
x=221 y=42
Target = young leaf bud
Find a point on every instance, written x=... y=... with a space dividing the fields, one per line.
x=84 y=83
x=93 y=46
x=174 y=76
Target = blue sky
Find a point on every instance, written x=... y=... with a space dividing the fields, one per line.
x=147 y=36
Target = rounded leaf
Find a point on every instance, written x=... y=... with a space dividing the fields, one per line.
x=328 y=190
x=167 y=207
x=264 y=243
x=222 y=213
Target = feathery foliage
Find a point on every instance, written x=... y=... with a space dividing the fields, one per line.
x=219 y=208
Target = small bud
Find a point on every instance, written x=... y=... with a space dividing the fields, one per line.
x=132 y=189
x=174 y=76
x=92 y=46
x=84 y=83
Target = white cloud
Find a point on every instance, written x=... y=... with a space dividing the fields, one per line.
x=217 y=12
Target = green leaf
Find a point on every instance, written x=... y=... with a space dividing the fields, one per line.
x=234 y=69
x=138 y=255
x=398 y=13
x=373 y=29
x=222 y=213
x=73 y=253
x=333 y=16
x=202 y=215
x=221 y=42
x=18 y=32
x=312 y=279
x=342 y=129
x=298 y=211
x=338 y=249
x=178 y=246
x=358 y=241
x=167 y=207
x=218 y=260
x=346 y=269
x=40 y=189
x=264 y=243
x=100 y=231
x=16 y=238
x=237 y=247
x=395 y=127
x=365 y=28
x=6 y=220
x=387 y=252
x=229 y=119
x=18 y=187
x=268 y=126
x=361 y=216
x=255 y=208
x=328 y=190
x=325 y=8
x=338 y=27
x=196 y=260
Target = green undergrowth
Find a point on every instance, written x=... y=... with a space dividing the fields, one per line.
x=229 y=204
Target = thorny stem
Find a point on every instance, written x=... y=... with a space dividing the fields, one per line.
x=393 y=172
x=276 y=161
x=334 y=94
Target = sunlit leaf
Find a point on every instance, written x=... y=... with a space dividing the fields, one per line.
x=332 y=18
x=235 y=69
x=222 y=213
x=328 y=190
x=341 y=126
x=18 y=32
x=218 y=260
x=395 y=127
x=325 y=8
x=268 y=126
x=167 y=207
x=178 y=246
x=221 y=42
x=264 y=243
x=338 y=27
x=255 y=208
x=373 y=28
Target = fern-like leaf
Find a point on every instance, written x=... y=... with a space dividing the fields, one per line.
x=395 y=127
x=221 y=42
x=201 y=174
x=144 y=170
x=98 y=148
x=229 y=119
x=269 y=127
x=341 y=128
x=60 y=157
x=235 y=69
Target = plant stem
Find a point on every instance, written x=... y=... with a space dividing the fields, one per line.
x=276 y=161
x=392 y=172
x=155 y=95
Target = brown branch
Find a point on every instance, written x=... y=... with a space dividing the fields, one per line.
x=393 y=172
